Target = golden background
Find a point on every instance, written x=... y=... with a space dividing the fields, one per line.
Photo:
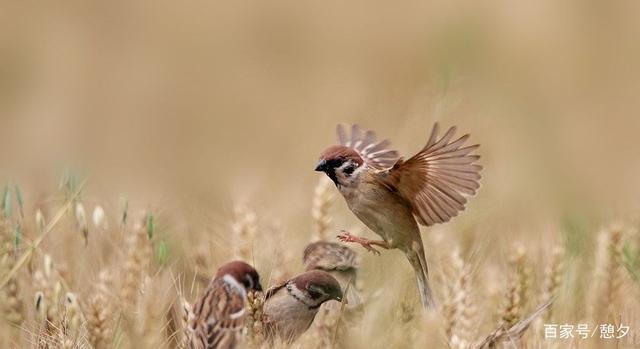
x=188 y=108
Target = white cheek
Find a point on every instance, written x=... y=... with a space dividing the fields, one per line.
x=348 y=183
x=345 y=165
x=346 y=179
x=357 y=171
x=296 y=292
x=231 y=281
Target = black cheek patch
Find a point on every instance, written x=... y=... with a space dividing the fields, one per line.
x=314 y=295
x=331 y=169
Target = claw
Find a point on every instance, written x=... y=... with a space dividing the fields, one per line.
x=346 y=237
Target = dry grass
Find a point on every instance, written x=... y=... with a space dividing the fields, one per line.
x=130 y=294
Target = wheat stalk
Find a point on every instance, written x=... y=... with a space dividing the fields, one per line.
x=518 y=285
x=254 y=325
x=608 y=274
x=458 y=307
x=47 y=301
x=100 y=313
x=511 y=334
x=186 y=318
x=11 y=301
x=321 y=205
x=244 y=228
x=138 y=257
x=552 y=278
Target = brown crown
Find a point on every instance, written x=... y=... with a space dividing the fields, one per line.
x=238 y=270
x=319 y=279
x=341 y=151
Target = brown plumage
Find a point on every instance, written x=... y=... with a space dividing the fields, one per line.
x=435 y=180
x=291 y=306
x=338 y=260
x=391 y=196
x=218 y=317
x=324 y=255
x=374 y=153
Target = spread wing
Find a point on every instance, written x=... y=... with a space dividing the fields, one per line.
x=326 y=255
x=218 y=317
x=437 y=180
x=375 y=153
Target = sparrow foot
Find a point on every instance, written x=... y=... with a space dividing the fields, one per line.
x=345 y=236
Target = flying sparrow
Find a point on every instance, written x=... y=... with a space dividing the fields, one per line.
x=338 y=260
x=391 y=196
x=290 y=307
x=218 y=317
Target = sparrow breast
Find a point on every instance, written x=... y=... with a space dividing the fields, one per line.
x=381 y=210
x=287 y=317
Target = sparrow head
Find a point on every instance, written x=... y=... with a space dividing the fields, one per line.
x=318 y=286
x=242 y=273
x=339 y=160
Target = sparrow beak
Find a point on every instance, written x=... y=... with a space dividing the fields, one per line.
x=258 y=287
x=322 y=165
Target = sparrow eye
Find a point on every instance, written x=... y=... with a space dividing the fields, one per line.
x=349 y=169
x=248 y=284
x=315 y=292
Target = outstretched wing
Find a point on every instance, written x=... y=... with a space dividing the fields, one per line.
x=218 y=317
x=374 y=153
x=437 y=180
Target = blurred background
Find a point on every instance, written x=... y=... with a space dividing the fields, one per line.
x=190 y=107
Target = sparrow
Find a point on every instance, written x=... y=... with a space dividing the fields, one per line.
x=338 y=260
x=217 y=318
x=392 y=196
x=290 y=307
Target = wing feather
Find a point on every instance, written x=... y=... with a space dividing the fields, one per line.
x=375 y=153
x=437 y=181
x=218 y=317
x=329 y=256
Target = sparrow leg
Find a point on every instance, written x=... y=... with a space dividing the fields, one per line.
x=345 y=236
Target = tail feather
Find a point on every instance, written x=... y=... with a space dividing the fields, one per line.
x=419 y=263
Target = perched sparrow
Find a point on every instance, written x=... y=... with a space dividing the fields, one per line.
x=290 y=307
x=218 y=317
x=389 y=194
x=338 y=260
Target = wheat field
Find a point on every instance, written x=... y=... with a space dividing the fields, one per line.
x=144 y=144
x=96 y=278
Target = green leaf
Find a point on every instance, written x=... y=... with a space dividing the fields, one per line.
x=6 y=201
x=18 y=238
x=20 y=200
x=162 y=253
x=628 y=255
x=150 y=226
x=630 y=261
